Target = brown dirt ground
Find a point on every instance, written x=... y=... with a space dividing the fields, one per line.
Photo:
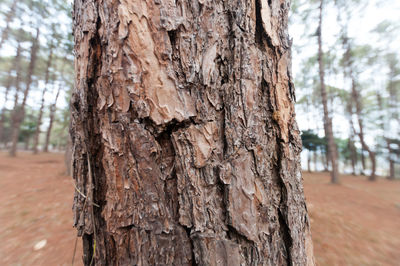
x=35 y=204
x=355 y=223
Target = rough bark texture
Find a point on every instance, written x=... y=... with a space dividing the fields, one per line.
x=53 y=109
x=19 y=112
x=39 y=121
x=184 y=134
x=331 y=149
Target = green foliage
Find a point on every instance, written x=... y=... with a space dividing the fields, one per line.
x=28 y=126
x=312 y=141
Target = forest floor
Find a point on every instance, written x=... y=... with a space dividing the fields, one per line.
x=35 y=205
x=355 y=223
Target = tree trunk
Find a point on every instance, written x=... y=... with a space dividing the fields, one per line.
x=357 y=100
x=19 y=113
x=15 y=114
x=185 y=143
x=3 y=111
x=327 y=119
x=53 y=109
x=9 y=18
x=39 y=121
x=27 y=142
x=392 y=175
x=315 y=161
x=353 y=154
x=393 y=113
x=309 y=161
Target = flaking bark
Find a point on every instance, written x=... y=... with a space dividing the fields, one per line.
x=184 y=134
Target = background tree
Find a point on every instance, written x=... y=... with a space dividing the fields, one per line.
x=332 y=149
x=353 y=73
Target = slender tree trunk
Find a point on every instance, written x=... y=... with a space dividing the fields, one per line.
x=315 y=161
x=392 y=175
x=357 y=100
x=9 y=18
x=4 y=109
x=363 y=163
x=185 y=143
x=39 y=121
x=27 y=142
x=353 y=154
x=393 y=114
x=309 y=161
x=327 y=119
x=20 y=111
x=325 y=159
x=15 y=114
x=53 y=109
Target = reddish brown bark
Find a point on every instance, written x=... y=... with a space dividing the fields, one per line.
x=185 y=143
x=15 y=112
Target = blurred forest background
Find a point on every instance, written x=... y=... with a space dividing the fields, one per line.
x=36 y=74
x=347 y=73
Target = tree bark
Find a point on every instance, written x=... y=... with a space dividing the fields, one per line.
x=53 y=109
x=19 y=112
x=39 y=121
x=68 y=157
x=186 y=149
x=9 y=18
x=357 y=100
x=332 y=150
